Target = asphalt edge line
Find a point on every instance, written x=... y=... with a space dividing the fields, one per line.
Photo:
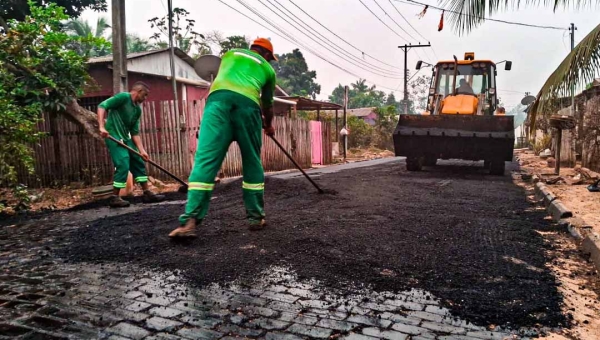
x=588 y=240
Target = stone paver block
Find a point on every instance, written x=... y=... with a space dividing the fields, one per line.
x=165 y=312
x=285 y=307
x=200 y=320
x=303 y=293
x=443 y=328
x=280 y=297
x=237 y=330
x=437 y=310
x=269 y=324
x=129 y=331
x=487 y=335
x=281 y=336
x=389 y=335
x=161 y=324
x=156 y=300
x=238 y=319
x=409 y=329
x=127 y=315
x=164 y=336
x=369 y=321
x=262 y=311
x=306 y=320
x=137 y=306
x=354 y=336
x=337 y=325
x=277 y=288
x=315 y=332
x=406 y=305
x=327 y=314
x=314 y=304
x=199 y=334
x=455 y=337
x=379 y=307
x=426 y=316
x=118 y=337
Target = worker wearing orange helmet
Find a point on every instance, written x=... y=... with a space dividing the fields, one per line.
x=239 y=106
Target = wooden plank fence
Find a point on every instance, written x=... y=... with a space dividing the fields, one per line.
x=67 y=154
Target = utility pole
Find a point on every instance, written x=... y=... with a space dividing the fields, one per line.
x=572 y=32
x=345 y=120
x=119 y=46
x=406 y=48
x=172 y=54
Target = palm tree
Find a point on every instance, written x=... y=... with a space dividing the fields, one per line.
x=137 y=44
x=82 y=29
x=579 y=68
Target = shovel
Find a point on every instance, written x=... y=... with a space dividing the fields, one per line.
x=183 y=188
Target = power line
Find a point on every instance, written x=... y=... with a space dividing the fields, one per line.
x=409 y=24
x=378 y=70
x=292 y=40
x=342 y=39
x=416 y=3
x=378 y=18
x=394 y=21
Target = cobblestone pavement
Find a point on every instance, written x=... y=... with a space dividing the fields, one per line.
x=42 y=297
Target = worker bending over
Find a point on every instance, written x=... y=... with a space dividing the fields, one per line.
x=123 y=123
x=233 y=113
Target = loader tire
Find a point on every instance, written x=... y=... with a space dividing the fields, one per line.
x=497 y=168
x=414 y=163
x=430 y=161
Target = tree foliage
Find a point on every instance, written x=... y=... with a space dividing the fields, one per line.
x=294 y=76
x=82 y=29
x=234 y=41
x=19 y=9
x=184 y=36
x=38 y=73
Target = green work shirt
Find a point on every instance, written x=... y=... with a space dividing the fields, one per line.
x=247 y=73
x=123 y=119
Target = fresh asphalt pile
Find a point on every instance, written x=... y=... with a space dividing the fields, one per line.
x=468 y=238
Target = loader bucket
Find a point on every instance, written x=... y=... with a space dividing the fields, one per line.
x=468 y=137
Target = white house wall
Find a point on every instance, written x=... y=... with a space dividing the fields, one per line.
x=159 y=64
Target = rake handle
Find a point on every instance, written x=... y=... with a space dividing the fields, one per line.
x=296 y=164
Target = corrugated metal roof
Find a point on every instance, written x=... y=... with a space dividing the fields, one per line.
x=178 y=52
x=361 y=112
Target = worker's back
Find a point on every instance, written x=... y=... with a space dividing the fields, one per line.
x=244 y=72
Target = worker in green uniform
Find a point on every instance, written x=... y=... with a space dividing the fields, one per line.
x=123 y=123
x=233 y=112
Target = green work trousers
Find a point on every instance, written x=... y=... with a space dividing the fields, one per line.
x=126 y=161
x=228 y=117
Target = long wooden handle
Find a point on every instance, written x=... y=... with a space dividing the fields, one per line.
x=149 y=160
x=296 y=164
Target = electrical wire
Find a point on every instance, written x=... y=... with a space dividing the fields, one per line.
x=378 y=18
x=416 y=3
x=342 y=39
x=409 y=24
x=377 y=70
x=292 y=40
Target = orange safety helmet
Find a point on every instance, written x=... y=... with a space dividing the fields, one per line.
x=265 y=43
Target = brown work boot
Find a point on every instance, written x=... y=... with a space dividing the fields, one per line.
x=117 y=202
x=258 y=225
x=188 y=230
x=150 y=197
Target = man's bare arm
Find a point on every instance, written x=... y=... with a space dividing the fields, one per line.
x=101 y=114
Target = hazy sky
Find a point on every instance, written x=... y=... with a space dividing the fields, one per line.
x=535 y=52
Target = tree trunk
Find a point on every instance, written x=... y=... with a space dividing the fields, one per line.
x=88 y=119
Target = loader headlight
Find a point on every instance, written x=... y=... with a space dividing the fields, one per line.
x=492 y=91
x=432 y=91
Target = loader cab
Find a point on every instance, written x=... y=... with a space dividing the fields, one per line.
x=471 y=82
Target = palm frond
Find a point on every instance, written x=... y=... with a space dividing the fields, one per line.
x=101 y=26
x=466 y=15
x=79 y=27
x=577 y=70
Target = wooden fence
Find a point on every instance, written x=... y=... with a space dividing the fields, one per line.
x=68 y=154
